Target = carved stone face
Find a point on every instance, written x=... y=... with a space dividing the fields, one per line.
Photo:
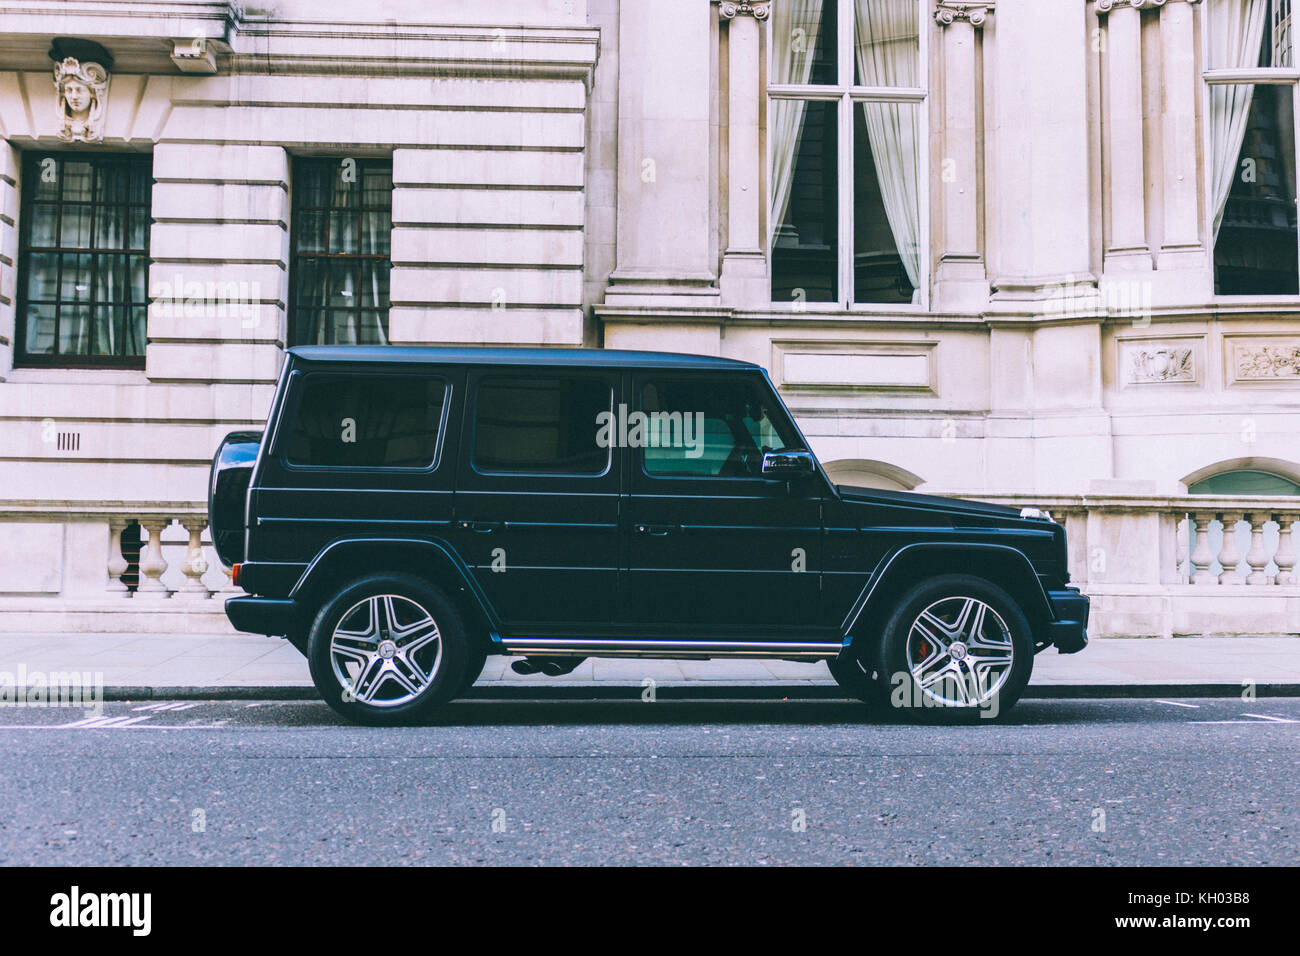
x=83 y=90
x=77 y=95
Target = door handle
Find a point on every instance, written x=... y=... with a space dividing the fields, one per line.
x=480 y=527
x=655 y=530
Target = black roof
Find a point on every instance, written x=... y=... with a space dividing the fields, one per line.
x=471 y=355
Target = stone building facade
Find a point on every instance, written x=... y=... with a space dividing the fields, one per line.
x=1036 y=251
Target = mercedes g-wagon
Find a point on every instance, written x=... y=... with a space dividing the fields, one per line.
x=408 y=511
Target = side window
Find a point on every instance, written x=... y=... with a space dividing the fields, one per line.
x=543 y=425
x=366 y=421
x=712 y=428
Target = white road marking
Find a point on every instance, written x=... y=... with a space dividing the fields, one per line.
x=1280 y=720
x=1174 y=703
x=1258 y=720
x=103 y=723
x=172 y=705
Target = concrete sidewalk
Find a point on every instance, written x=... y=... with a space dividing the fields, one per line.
x=150 y=665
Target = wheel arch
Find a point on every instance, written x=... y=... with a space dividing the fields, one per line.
x=999 y=564
x=350 y=558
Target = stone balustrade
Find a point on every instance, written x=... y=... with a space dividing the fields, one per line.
x=176 y=560
x=1169 y=565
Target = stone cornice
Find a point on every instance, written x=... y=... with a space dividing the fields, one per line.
x=758 y=9
x=950 y=11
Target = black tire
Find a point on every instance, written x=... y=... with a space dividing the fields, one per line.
x=389 y=691
x=961 y=684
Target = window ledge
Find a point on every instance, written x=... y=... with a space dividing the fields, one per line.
x=66 y=375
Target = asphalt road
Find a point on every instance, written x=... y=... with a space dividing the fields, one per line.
x=1064 y=782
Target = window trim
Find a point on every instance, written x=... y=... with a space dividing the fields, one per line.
x=298 y=382
x=292 y=322
x=30 y=159
x=847 y=96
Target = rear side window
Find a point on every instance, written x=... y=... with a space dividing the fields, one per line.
x=542 y=425
x=366 y=421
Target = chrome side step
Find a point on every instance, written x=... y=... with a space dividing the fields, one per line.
x=600 y=647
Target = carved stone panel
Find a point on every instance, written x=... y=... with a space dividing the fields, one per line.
x=1160 y=362
x=1253 y=359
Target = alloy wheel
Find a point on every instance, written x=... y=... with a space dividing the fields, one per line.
x=385 y=650
x=960 y=652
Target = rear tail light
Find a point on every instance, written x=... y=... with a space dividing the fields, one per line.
x=234 y=573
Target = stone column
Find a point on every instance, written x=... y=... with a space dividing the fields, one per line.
x=1125 y=179
x=1038 y=152
x=960 y=279
x=664 y=156
x=1184 y=270
x=744 y=265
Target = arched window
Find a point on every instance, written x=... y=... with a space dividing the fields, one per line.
x=1244 y=482
x=871 y=474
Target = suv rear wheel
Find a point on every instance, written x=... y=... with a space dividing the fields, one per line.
x=388 y=649
x=954 y=647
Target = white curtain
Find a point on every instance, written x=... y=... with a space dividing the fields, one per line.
x=1236 y=30
x=795 y=24
x=888 y=54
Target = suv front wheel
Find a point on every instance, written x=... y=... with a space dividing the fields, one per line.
x=388 y=649
x=953 y=647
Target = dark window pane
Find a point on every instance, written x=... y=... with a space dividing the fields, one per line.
x=109 y=232
x=540 y=425
x=886 y=202
x=371 y=329
x=376 y=227
x=805 y=202
x=374 y=283
x=343 y=232
x=1256 y=248
x=707 y=428
x=40 y=329
x=78 y=178
x=343 y=284
x=310 y=234
x=44 y=226
x=74 y=227
x=366 y=421
x=105 y=331
x=75 y=284
x=74 y=329
x=312 y=183
x=42 y=277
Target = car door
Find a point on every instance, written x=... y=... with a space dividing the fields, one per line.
x=537 y=499
x=713 y=548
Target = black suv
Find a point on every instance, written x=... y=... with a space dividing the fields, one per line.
x=409 y=511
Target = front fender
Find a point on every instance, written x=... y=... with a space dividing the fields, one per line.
x=1003 y=565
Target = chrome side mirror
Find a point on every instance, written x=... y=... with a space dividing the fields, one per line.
x=786 y=465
